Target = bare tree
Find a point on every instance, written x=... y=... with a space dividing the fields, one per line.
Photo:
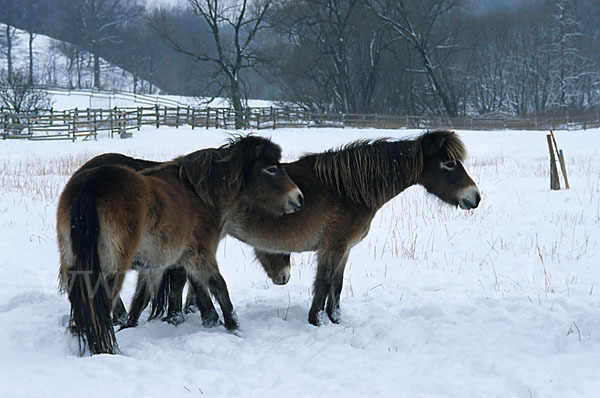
x=20 y=96
x=234 y=26
x=95 y=24
x=421 y=25
x=30 y=30
x=333 y=55
x=9 y=16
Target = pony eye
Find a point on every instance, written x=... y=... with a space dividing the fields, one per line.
x=271 y=169
x=449 y=165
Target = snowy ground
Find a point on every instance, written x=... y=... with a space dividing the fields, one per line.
x=501 y=301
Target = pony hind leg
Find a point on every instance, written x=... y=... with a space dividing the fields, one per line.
x=119 y=313
x=140 y=300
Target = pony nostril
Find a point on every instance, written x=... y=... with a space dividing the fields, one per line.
x=295 y=202
x=300 y=200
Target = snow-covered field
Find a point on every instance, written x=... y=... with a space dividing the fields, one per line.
x=500 y=301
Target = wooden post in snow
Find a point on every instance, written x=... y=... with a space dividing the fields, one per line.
x=554 y=182
x=561 y=160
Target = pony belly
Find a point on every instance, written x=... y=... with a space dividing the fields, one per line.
x=278 y=243
x=152 y=255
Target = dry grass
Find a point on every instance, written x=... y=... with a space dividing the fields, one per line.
x=37 y=179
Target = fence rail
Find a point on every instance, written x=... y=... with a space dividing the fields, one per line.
x=88 y=123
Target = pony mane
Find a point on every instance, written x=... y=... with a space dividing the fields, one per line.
x=219 y=173
x=371 y=172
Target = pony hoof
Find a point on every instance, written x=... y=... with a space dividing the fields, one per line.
x=174 y=319
x=127 y=325
x=316 y=318
x=119 y=320
x=231 y=323
x=335 y=319
x=335 y=316
x=211 y=321
x=190 y=309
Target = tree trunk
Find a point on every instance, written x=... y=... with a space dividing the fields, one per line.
x=236 y=99
x=30 y=79
x=96 y=71
x=9 y=53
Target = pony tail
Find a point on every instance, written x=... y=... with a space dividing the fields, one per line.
x=87 y=287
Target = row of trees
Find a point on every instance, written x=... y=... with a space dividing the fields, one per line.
x=387 y=56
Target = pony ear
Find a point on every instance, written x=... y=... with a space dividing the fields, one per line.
x=432 y=143
x=200 y=168
x=258 y=150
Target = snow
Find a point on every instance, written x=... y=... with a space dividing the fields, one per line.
x=494 y=302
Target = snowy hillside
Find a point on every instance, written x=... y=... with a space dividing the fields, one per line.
x=53 y=67
x=501 y=301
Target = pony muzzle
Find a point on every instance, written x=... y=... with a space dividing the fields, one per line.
x=295 y=202
x=282 y=277
x=469 y=198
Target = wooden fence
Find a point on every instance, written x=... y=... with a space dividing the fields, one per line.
x=88 y=123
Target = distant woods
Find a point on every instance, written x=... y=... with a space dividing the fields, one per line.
x=400 y=57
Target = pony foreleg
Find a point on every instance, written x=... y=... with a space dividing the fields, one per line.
x=176 y=278
x=328 y=263
x=333 y=299
x=202 y=300
x=218 y=289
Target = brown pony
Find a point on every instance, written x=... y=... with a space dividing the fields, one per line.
x=163 y=296
x=110 y=217
x=343 y=190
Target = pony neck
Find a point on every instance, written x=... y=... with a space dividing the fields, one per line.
x=404 y=165
x=371 y=172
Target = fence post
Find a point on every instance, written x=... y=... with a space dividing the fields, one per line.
x=95 y=127
x=207 y=117
x=110 y=117
x=193 y=117
x=273 y=118
x=177 y=118
x=139 y=118
x=157 y=116
x=75 y=120
x=554 y=182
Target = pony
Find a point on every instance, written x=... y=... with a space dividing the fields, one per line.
x=163 y=297
x=111 y=217
x=343 y=190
